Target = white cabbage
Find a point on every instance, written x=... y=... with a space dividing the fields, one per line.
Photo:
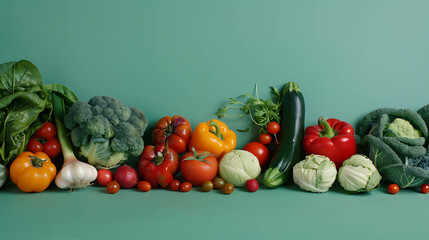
x=316 y=173
x=358 y=174
x=238 y=166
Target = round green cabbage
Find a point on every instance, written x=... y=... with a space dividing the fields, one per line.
x=358 y=174
x=316 y=173
x=238 y=166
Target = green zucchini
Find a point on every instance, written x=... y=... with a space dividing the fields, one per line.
x=3 y=174
x=291 y=134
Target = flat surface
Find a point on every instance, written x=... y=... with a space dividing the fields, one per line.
x=188 y=57
x=286 y=212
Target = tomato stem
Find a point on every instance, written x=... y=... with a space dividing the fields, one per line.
x=199 y=157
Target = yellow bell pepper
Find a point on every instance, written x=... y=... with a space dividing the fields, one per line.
x=215 y=137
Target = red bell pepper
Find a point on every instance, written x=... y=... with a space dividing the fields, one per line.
x=332 y=138
x=158 y=165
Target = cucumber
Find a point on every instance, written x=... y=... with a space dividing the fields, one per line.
x=291 y=134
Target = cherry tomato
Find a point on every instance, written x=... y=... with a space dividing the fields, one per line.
x=393 y=188
x=252 y=185
x=113 y=187
x=52 y=147
x=218 y=183
x=424 y=188
x=228 y=188
x=273 y=128
x=207 y=186
x=260 y=151
x=265 y=138
x=47 y=131
x=144 y=186
x=104 y=176
x=186 y=187
x=34 y=146
x=175 y=185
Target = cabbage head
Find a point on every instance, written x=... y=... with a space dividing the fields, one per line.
x=316 y=173
x=238 y=166
x=358 y=174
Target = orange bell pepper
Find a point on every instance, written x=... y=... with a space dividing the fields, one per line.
x=215 y=137
x=32 y=172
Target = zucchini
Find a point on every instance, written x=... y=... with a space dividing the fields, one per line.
x=3 y=175
x=291 y=134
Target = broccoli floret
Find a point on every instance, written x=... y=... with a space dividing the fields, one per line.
x=127 y=138
x=99 y=126
x=78 y=114
x=106 y=126
x=138 y=120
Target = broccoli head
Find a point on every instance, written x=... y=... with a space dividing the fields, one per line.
x=106 y=130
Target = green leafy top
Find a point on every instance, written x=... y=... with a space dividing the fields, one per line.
x=260 y=111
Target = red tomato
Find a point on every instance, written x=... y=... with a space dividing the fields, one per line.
x=393 y=188
x=186 y=187
x=175 y=131
x=424 y=188
x=175 y=185
x=47 y=131
x=265 y=138
x=34 y=146
x=260 y=151
x=104 y=176
x=158 y=168
x=198 y=171
x=144 y=186
x=52 y=147
x=113 y=187
x=273 y=128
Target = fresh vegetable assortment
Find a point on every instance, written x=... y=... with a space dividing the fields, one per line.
x=104 y=133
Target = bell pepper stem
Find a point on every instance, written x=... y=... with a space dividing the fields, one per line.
x=217 y=132
x=37 y=162
x=327 y=129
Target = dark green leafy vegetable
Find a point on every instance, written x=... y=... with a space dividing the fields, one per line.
x=24 y=106
x=260 y=111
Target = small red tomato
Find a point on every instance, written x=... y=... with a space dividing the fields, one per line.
x=104 y=176
x=228 y=188
x=393 y=188
x=424 y=188
x=175 y=185
x=34 y=146
x=144 y=186
x=113 y=187
x=260 y=151
x=47 y=131
x=186 y=187
x=252 y=185
x=273 y=128
x=265 y=138
x=52 y=147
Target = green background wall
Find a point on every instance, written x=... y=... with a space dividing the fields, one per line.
x=189 y=57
